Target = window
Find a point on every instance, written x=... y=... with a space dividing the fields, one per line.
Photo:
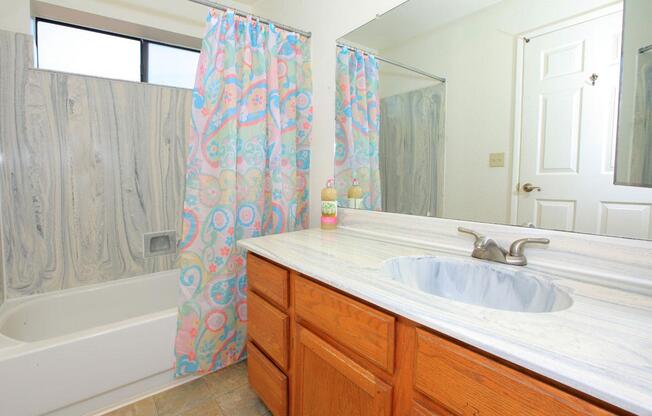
x=168 y=65
x=67 y=48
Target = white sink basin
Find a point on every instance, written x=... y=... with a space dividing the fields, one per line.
x=477 y=283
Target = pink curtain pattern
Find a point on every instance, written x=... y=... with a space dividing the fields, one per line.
x=246 y=176
x=357 y=135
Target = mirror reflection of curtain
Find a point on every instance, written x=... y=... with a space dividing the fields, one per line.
x=412 y=151
x=642 y=158
x=357 y=123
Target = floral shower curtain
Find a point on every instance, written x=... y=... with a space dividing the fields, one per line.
x=246 y=175
x=357 y=127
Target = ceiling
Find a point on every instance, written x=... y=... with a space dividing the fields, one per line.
x=410 y=19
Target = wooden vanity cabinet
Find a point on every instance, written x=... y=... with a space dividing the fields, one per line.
x=468 y=382
x=270 y=383
x=352 y=324
x=330 y=383
x=315 y=351
x=268 y=345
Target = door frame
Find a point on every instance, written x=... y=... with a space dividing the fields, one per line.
x=521 y=40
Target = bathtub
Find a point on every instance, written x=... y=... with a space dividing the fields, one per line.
x=79 y=351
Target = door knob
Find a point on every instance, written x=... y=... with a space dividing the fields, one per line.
x=528 y=187
x=593 y=78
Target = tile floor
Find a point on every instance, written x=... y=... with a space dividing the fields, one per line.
x=223 y=393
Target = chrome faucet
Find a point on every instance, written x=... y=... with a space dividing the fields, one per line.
x=488 y=249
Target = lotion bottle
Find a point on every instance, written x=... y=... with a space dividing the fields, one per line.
x=355 y=195
x=329 y=206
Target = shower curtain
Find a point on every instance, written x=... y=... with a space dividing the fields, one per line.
x=246 y=176
x=357 y=125
x=641 y=166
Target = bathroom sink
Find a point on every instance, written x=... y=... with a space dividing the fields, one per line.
x=477 y=283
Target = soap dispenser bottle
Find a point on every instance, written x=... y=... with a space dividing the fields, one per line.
x=329 y=206
x=355 y=195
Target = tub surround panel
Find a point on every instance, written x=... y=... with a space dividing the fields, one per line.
x=15 y=54
x=600 y=345
x=90 y=165
x=412 y=151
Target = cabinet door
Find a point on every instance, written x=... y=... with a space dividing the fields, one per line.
x=330 y=383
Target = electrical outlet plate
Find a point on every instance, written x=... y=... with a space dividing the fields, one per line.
x=496 y=160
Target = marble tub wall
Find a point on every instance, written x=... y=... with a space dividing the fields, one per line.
x=89 y=165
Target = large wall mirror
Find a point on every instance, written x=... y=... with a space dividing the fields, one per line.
x=634 y=151
x=499 y=111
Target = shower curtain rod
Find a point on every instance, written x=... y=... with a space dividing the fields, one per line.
x=258 y=18
x=392 y=62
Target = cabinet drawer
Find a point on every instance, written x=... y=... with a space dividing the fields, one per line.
x=267 y=381
x=469 y=383
x=269 y=280
x=269 y=328
x=359 y=327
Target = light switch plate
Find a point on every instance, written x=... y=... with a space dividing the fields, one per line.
x=496 y=160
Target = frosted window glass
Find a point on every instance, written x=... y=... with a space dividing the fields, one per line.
x=69 y=49
x=171 y=66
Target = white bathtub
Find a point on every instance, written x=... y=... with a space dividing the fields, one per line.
x=78 y=351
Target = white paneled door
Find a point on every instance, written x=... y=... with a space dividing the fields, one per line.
x=569 y=118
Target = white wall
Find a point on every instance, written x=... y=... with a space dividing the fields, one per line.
x=173 y=21
x=14 y=16
x=328 y=21
x=476 y=55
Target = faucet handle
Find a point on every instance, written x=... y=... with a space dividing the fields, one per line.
x=478 y=237
x=518 y=247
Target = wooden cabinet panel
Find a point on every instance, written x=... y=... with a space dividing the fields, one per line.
x=329 y=383
x=469 y=383
x=267 y=381
x=355 y=325
x=269 y=280
x=269 y=328
x=419 y=410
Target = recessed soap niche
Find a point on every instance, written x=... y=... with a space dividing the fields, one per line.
x=159 y=243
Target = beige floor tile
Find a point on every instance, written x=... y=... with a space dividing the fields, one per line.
x=227 y=379
x=208 y=407
x=223 y=393
x=242 y=402
x=143 y=407
x=182 y=399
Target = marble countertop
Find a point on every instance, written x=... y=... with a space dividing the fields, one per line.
x=601 y=345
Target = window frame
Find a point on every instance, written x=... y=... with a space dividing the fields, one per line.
x=144 y=45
